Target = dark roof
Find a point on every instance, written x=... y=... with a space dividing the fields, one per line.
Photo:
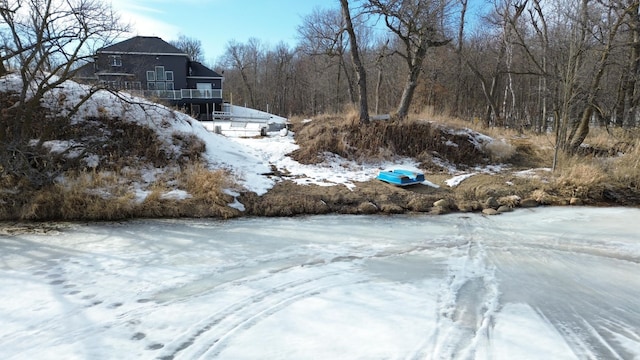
x=143 y=44
x=197 y=69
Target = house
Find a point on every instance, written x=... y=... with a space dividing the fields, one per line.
x=151 y=67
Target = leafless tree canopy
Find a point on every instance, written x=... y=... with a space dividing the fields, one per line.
x=558 y=67
x=190 y=46
x=44 y=42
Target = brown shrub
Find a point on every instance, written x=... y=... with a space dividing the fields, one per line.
x=382 y=140
x=206 y=188
x=581 y=172
x=626 y=168
x=191 y=146
x=59 y=203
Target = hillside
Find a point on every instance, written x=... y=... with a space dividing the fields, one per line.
x=126 y=157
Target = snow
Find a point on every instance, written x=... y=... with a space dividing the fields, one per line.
x=530 y=173
x=456 y=180
x=274 y=149
x=250 y=160
x=544 y=283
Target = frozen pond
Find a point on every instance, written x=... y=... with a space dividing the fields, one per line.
x=549 y=283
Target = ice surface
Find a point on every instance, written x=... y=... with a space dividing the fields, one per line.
x=548 y=283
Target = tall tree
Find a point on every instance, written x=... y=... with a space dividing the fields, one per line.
x=240 y=57
x=615 y=17
x=322 y=34
x=627 y=100
x=280 y=70
x=419 y=26
x=361 y=72
x=459 y=63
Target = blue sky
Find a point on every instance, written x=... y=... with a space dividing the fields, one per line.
x=216 y=22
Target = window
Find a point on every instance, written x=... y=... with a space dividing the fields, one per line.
x=168 y=75
x=151 y=86
x=116 y=60
x=170 y=85
x=159 y=73
x=160 y=85
x=151 y=76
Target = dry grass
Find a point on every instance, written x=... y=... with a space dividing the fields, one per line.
x=207 y=190
x=521 y=148
x=608 y=159
x=205 y=184
x=609 y=173
x=382 y=140
x=85 y=196
x=580 y=171
x=106 y=195
x=626 y=168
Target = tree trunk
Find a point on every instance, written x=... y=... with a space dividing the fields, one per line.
x=361 y=73
x=456 y=101
x=378 y=86
x=381 y=56
x=407 y=92
x=627 y=98
x=581 y=131
x=489 y=93
x=352 y=91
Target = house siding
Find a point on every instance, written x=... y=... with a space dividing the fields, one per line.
x=125 y=65
x=138 y=65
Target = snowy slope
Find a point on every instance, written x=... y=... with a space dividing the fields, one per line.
x=249 y=159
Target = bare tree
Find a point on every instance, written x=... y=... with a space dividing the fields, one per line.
x=47 y=40
x=459 y=62
x=190 y=46
x=615 y=17
x=541 y=28
x=382 y=53
x=241 y=57
x=279 y=74
x=322 y=34
x=419 y=26
x=505 y=20
x=626 y=107
x=361 y=73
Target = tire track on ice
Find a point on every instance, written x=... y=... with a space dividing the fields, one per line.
x=468 y=301
x=572 y=303
x=211 y=335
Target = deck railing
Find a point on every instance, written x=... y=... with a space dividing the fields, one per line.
x=225 y=115
x=181 y=94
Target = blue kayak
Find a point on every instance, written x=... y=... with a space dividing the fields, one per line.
x=401 y=177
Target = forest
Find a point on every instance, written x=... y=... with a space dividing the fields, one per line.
x=559 y=67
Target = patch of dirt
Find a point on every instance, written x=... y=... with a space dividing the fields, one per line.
x=14 y=229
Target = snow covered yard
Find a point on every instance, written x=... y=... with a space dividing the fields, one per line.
x=552 y=283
